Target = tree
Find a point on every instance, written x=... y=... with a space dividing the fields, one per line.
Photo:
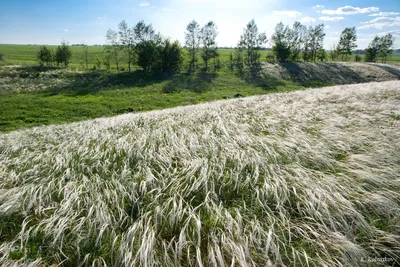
x=143 y=32
x=347 y=42
x=2 y=57
x=58 y=56
x=379 y=47
x=334 y=52
x=148 y=46
x=296 y=38
x=128 y=42
x=148 y=54
x=316 y=40
x=98 y=62
x=238 y=58
x=171 y=56
x=217 y=62
x=192 y=42
x=208 y=34
x=86 y=55
x=281 y=42
x=45 y=56
x=63 y=54
x=251 y=41
x=307 y=54
x=386 y=47
x=321 y=54
x=371 y=53
x=113 y=47
x=230 y=61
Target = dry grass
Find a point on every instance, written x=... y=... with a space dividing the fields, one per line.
x=334 y=72
x=302 y=178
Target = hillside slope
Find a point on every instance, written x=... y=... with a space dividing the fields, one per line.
x=333 y=72
x=302 y=178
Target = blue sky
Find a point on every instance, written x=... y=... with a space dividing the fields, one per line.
x=48 y=22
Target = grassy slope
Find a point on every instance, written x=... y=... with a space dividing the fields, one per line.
x=307 y=177
x=91 y=95
x=32 y=97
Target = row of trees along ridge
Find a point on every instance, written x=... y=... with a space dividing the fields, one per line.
x=141 y=45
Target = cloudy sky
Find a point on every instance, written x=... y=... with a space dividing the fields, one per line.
x=48 y=22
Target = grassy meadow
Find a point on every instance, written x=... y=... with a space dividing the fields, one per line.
x=26 y=55
x=305 y=178
x=32 y=96
x=268 y=172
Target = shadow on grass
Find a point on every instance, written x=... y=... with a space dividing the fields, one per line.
x=195 y=82
x=38 y=68
x=391 y=70
x=26 y=72
x=95 y=81
x=255 y=76
x=325 y=73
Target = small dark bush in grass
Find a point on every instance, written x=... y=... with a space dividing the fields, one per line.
x=270 y=58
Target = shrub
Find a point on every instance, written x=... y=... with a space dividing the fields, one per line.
x=357 y=58
x=270 y=58
x=45 y=56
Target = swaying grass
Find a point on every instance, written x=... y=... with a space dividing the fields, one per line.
x=307 y=178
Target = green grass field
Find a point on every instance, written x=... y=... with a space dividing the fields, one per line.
x=26 y=54
x=101 y=94
x=31 y=96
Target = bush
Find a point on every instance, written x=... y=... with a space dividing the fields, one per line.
x=281 y=51
x=98 y=62
x=270 y=58
x=357 y=58
x=45 y=56
x=171 y=56
x=370 y=55
x=148 y=55
x=321 y=54
x=63 y=54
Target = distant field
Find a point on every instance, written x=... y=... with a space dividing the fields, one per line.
x=306 y=178
x=26 y=54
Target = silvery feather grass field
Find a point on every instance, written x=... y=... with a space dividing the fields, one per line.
x=307 y=178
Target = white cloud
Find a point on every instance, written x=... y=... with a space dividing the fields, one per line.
x=318 y=6
x=377 y=20
x=349 y=10
x=327 y=26
x=66 y=30
x=144 y=4
x=307 y=20
x=380 y=14
x=390 y=22
x=327 y=18
x=288 y=13
x=100 y=18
